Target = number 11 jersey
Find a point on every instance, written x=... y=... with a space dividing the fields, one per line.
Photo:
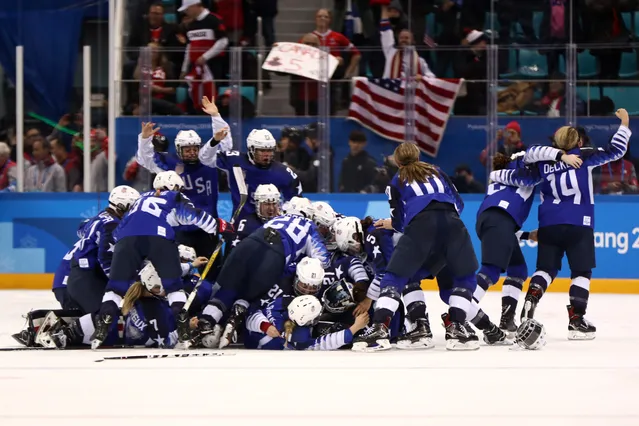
x=567 y=194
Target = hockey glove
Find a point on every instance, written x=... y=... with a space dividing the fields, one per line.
x=225 y=228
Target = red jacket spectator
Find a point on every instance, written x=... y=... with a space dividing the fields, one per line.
x=337 y=43
x=511 y=136
x=8 y=171
x=619 y=177
x=231 y=13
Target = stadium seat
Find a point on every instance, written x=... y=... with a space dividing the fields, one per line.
x=169 y=2
x=628 y=65
x=587 y=65
x=624 y=97
x=170 y=18
x=181 y=94
x=247 y=91
x=588 y=92
x=532 y=63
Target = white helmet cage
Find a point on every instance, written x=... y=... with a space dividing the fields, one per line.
x=186 y=138
x=531 y=335
x=186 y=253
x=349 y=235
x=305 y=310
x=269 y=194
x=122 y=197
x=299 y=206
x=260 y=139
x=169 y=181
x=309 y=276
x=151 y=280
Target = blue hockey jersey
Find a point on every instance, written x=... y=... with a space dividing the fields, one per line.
x=245 y=227
x=279 y=175
x=276 y=313
x=95 y=248
x=567 y=194
x=408 y=199
x=343 y=266
x=300 y=238
x=517 y=200
x=378 y=246
x=158 y=214
x=62 y=273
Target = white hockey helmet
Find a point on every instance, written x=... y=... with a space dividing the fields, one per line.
x=349 y=235
x=263 y=140
x=186 y=253
x=299 y=206
x=186 y=138
x=267 y=194
x=309 y=276
x=323 y=214
x=531 y=335
x=169 y=181
x=122 y=197
x=151 y=280
x=304 y=310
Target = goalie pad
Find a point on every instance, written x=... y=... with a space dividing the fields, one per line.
x=36 y=319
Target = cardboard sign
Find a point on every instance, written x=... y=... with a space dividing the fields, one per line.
x=300 y=59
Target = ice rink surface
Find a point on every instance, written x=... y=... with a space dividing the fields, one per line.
x=567 y=383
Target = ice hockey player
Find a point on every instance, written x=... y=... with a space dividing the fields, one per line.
x=91 y=262
x=195 y=163
x=566 y=220
x=287 y=323
x=423 y=201
x=61 y=275
x=147 y=233
x=259 y=168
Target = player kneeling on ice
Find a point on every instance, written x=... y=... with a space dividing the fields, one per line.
x=147 y=232
x=147 y=320
x=287 y=323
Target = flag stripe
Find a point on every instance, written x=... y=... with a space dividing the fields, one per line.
x=378 y=104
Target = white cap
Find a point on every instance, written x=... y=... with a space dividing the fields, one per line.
x=188 y=3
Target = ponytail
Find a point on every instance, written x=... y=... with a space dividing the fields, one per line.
x=500 y=161
x=132 y=295
x=410 y=168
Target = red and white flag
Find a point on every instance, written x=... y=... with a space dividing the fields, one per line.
x=378 y=104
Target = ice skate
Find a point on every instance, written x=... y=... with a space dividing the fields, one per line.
x=579 y=328
x=420 y=337
x=209 y=333
x=457 y=336
x=102 y=326
x=530 y=303
x=496 y=337
x=507 y=323
x=183 y=331
x=234 y=323
x=375 y=338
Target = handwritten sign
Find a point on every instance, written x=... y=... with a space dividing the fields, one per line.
x=300 y=59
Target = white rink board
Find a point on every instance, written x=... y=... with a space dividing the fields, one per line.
x=567 y=383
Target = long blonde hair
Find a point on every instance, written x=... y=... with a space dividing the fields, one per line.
x=132 y=295
x=566 y=138
x=410 y=168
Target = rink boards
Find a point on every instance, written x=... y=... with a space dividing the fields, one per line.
x=36 y=230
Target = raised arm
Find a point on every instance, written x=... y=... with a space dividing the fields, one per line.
x=222 y=139
x=617 y=146
x=145 y=155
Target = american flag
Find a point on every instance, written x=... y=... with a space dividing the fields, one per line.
x=378 y=104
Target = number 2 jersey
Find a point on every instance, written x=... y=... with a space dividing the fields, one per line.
x=157 y=215
x=567 y=194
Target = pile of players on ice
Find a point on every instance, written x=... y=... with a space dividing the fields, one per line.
x=300 y=275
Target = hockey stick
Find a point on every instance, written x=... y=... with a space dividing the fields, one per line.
x=79 y=348
x=170 y=355
x=243 y=190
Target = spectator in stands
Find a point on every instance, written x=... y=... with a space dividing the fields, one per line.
x=290 y=151
x=361 y=9
x=516 y=97
x=511 y=137
x=604 y=24
x=555 y=29
x=163 y=91
x=8 y=170
x=472 y=66
x=157 y=31
x=510 y=12
x=553 y=101
x=224 y=105
x=203 y=61
x=447 y=18
x=359 y=169
x=619 y=177
x=99 y=162
x=304 y=92
x=465 y=182
x=31 y=135
x=397 y=60
x=45 y=175
x=338 y=44
x=69 y=164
